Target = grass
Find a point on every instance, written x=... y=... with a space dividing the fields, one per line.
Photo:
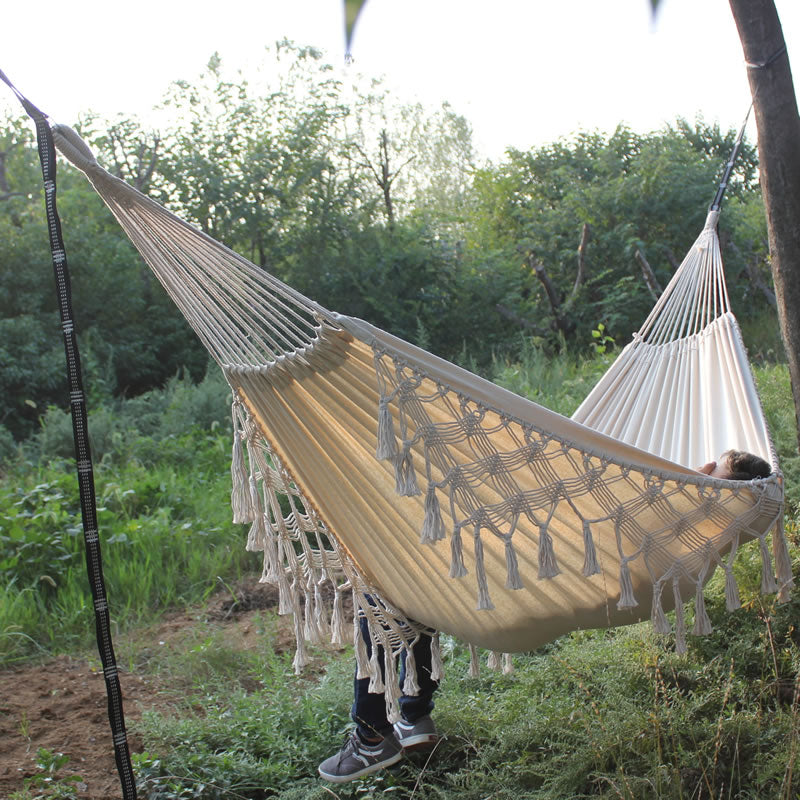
x=612 y=714
x=166 y=538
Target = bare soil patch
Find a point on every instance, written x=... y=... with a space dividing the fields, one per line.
x=61 y=704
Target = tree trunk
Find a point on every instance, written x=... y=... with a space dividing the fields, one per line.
x=779 y=162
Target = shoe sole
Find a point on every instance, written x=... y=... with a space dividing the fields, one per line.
x=424 y=741
x=362 y=772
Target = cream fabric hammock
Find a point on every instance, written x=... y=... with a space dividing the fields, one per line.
x=450 y=501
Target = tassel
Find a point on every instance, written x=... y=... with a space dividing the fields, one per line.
x=432 y=525
x=626 y=598
x=410 y=684
x=732 y=600
x=392 y=689
x=257 y=535
x=272 y=561
x=255 y=500
x=513 y=580
x=376 y=685
x=680 y=621
x=493 y=662
x=285 y=595
x=300 y=656
x=308 y=617
x=360 y=646
x=474 y=663
x=702 y=623
x=320 y=623
x=457 y=568
x=590 y=565
x=768 y=584
x=657 y=615
x=783 y=562
x=484 y=601
x=548 y=568
x=257 y=539
x=508 y=664
x=337 y=618
x=437 y=665
x=405 y=476
x=240 y=494
x=387 y=442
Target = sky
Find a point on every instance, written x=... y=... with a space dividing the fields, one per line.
x=523 y=72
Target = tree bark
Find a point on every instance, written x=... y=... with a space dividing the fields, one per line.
x=649 y=276
x=581 y=276
x=560 y=322
x=778 y=126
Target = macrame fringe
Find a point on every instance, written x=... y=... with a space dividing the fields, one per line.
x=437 y=666
x=513 y=579
x=376 y=684
x=626 y=598
x=484 y=601
x=272 y=561
x=702 y=623
x=410 y=683
x=590 y=565
x=474 y=662
x=405 y=476
x=433 y=525
x=257 y=539
x=548 y=567
x=508 y=664
x=360 y=646
x=337 y=618
x=285 y=592
x=768 y=584
x=257 y=535
x=732 y=600
x=493 y=661
x=392 y=689
x=680 y=620
x=657 y=616
x=321 y=629
x=301 y=655
x=457 y=568
x=783 y=562
x=387 y=442
x=240 y=487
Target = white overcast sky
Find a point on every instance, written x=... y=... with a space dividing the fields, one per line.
x=523 y=72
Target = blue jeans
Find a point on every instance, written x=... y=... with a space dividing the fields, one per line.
x=369 y=709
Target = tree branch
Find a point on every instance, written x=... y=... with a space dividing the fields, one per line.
x=649 y=276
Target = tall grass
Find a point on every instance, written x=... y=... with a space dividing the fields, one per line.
x=611 y=714
x=163 y=511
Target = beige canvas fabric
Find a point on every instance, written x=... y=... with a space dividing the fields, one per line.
x=449 y=500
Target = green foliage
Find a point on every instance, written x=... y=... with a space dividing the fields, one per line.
x=594 y=714
x=46 y=783
x=163 y=492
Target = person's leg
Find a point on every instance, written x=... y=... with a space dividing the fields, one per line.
x=369 y=708
x=414 y=707
x=373 y=745
x=416 y=730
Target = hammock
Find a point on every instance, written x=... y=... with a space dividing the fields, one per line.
x=446 y=503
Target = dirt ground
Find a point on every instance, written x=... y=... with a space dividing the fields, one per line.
x=61 y=704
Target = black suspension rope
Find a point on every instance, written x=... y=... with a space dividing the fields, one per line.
x=83 y=459
x=723 y=185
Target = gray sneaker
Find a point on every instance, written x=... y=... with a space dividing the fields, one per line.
x=419 y=735
x=356 y=758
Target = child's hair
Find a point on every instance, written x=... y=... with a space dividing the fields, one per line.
x=744 y=466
